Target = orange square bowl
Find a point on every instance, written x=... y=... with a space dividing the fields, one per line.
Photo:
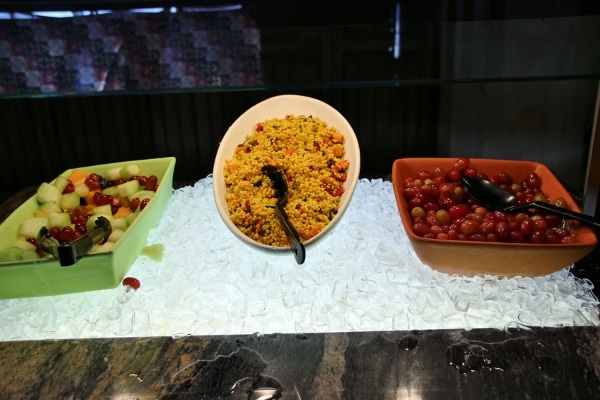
x=491 y=258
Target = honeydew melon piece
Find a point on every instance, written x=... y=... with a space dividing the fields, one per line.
x=29 y=255
x=111 y=190
x=119 y=224
x=47 y=192
x=91 y=222
x=11 y=254
x=142 y=194
x=154 y=251
x=102 y=248
x=50 y=207
x=82 y=189
x=59 y=220
x=23 y=244
x=128 y=188
x=103 y=209
x=131 y=217
x=70 y=200
x=61 y=183
x=30 y=228
x=129 y=171
x=115 y=235
x=113 y=173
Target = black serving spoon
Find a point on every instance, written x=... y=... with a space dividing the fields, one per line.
x=495 y=198
x=280 y=185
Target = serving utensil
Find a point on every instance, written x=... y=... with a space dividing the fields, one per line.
x=495 y=198
x=69 y=253
x=281 y=188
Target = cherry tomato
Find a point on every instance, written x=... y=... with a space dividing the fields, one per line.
x=458 y=211
x=441 y=209
x=461 y=164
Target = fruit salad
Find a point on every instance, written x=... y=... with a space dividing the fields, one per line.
x=69 y=207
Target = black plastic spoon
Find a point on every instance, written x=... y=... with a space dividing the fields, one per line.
x=495 y=198
x=280 y=185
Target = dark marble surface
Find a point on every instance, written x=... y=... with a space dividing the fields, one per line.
x=538 y=363
x=519 y=364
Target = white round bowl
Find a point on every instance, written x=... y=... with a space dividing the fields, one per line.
x=279 y=107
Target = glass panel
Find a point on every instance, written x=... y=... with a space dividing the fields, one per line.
x=280 y=45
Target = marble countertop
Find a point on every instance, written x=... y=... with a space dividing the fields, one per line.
x=522 y=362
x=540 y=363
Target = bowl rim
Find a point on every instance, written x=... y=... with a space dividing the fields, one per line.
x=227 y=146
x=583 y=230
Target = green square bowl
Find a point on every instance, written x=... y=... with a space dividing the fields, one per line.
x=97 y=271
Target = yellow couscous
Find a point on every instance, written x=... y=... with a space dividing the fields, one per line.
x=311 y=156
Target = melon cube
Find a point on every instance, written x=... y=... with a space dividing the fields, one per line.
x=128 y=188
x=91 y=222
x=129 y=171
x=115 y=235
x=30 y=255
x=70 y=200
x=119 y=224
x=59 y=220
x=50 y=207
x=82 y=189
x=101 y=248
x=30 y=228
x=111 y=190
x=113 y=173
x=23 y=244
x=105 y=209
x=47 y=192
x=61 y=183
x=131 y=217
x=11 y=254
x=142 y=194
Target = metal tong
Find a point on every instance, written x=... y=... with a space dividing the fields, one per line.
x=69 y=253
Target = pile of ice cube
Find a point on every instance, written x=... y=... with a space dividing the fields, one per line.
x=364 y=276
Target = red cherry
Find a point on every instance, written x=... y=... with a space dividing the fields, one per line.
x=151 y=183
x=134 y=203
x=144 y=203
x=65 y=234
x=132 y=282
x=70 y=188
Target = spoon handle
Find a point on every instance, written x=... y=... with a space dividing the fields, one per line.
x=561 y=211
x=293 y=236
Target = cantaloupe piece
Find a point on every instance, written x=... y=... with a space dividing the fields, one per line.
x=89 y=198
x=122 y=212
x=77 y=176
